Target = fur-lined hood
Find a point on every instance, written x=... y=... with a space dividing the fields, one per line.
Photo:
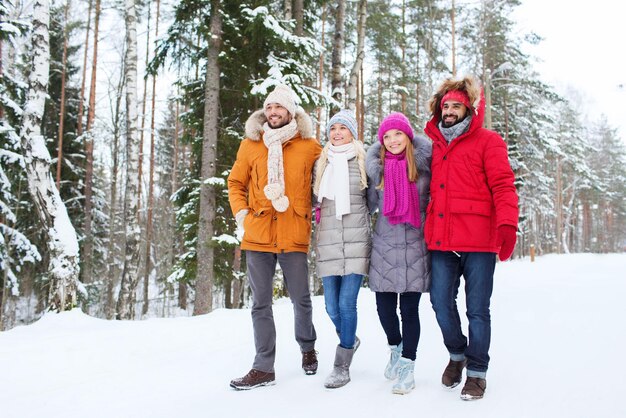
x=254 y=125
x=468 y=84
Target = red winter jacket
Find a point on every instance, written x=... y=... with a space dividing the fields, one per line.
x=472 y=188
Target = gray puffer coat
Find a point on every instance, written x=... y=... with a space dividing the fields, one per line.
x=343 y=246
x=400 y=261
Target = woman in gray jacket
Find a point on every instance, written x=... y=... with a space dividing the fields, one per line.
x=343 y=234
x=398 y=170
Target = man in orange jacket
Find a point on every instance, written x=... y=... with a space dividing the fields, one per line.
x=269 y=191
x=472 y=216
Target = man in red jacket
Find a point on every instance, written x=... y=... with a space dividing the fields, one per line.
x=472 y=216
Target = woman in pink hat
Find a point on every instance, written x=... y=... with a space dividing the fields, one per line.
x=398 y=171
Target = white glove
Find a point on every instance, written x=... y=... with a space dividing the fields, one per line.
x=239 y=217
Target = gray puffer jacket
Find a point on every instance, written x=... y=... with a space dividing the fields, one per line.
x=343 y=246
x=400 y=261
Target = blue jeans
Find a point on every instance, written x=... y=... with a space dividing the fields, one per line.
x=340 y=294
x=477 y=268
x=387 y=307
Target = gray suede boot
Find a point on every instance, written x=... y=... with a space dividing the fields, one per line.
x=340 y=375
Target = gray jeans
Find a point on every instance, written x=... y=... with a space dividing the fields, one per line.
x=261 y=268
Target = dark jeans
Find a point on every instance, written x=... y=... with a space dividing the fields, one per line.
x=340 y=295
x=477 y=268
x=387 y=306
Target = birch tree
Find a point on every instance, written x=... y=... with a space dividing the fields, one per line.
x=360 y=55
x=126 y=299
x=62 y=242
x=337 y=54
x=204 y=280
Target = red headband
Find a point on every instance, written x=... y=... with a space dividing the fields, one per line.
x=457 y=96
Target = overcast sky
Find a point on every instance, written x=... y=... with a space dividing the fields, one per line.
x=584 y=48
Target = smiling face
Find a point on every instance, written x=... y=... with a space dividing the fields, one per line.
x=452 y=112
x=340 y=134
x=395 y=141
x=277 y=116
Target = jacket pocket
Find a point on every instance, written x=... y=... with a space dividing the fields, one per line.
x=471 y=172
x=256 y=226
x=301 y=225
x=470 y=222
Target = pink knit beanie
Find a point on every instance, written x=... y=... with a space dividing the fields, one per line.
x=395 y=120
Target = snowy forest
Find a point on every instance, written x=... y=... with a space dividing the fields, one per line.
x=120 y=121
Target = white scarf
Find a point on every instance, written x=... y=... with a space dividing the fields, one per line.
x=274 y=140
x=335 y=184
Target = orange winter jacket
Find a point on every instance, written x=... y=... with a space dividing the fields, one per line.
x=265 y=229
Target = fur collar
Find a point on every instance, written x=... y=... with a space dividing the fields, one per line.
x=254 y=125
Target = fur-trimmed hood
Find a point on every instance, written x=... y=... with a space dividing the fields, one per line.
x=472 y=87
x=468 y=84
x=254 y=125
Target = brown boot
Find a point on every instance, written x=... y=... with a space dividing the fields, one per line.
x=253 y=379
x=309 y=362
x=474 y=389
x=453 y=374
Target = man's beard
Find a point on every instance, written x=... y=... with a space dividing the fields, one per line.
x=450 y=124
x=281 y=123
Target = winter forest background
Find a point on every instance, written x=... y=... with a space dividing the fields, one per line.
x=120 y=120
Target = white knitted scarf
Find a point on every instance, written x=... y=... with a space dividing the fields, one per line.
x=335 y=184
x=274 y=140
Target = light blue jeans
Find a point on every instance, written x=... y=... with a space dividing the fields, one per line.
x=340 y=295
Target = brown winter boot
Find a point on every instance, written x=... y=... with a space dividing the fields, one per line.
x=474 y=389
x=453 y=374
x=254 y=379
x=309 y=362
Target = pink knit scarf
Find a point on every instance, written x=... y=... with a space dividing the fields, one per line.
x=401 y=198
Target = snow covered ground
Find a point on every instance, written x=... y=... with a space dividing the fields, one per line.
x=558 y=333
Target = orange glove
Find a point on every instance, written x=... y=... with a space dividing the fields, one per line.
x=507 y=236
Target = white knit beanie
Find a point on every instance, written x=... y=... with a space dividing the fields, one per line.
x=284 y=96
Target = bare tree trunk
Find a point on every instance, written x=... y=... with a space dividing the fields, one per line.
x=112 y=270
x=237 y=286
x=81 y=103
x=337 y=54
x=143 y=115
x=452 y=18
x=2 y=110
x=298 y=15
x=360 y=55
x=146 y=279
x=204 y=280
x=62 y=104
x=91 y=112
x=559 y=205
x=320 y=83
x=182 y=286
x=587 y=220
x=362 y=114
x=126 y=299
x=62 y=243
x=288 y=7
